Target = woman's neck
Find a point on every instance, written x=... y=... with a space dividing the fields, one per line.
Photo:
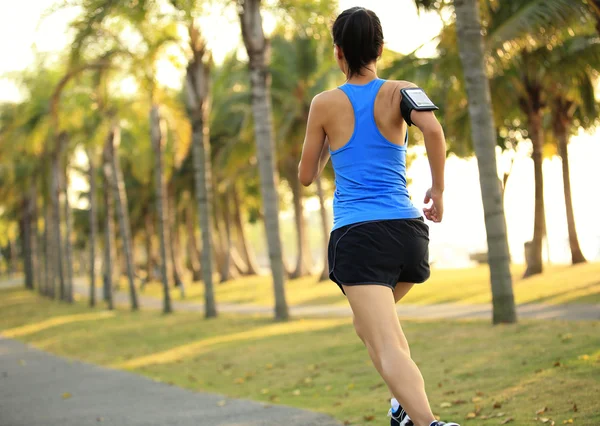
x=369 y=73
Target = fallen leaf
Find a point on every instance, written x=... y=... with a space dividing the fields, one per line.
x=471 y=416
x=507 y=420
x=269 y=366
x=239 y=381
x=497 y=405
x=541 y=410
x=66 y=395
x=221 y=403
x=347 y=422
x=475 y=399
x=369 y=418
x=296 y=392
x=459 y=401
x=574 y=407
x=584 y=357
x=274 y=398
x=328 y=388
x=99 y=419
x=479 y=393
x=351 y=386
x=307 y=381
x=567 y=421
x=264 y=391
x=544 y=419
x=446 y=404
x=557 y=364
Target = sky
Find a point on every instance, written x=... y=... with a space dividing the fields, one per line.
x=23 y=31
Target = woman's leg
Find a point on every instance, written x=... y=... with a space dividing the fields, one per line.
x=377 y=324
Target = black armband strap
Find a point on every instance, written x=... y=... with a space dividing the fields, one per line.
x=414 y=98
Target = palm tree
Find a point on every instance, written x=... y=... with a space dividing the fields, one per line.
x=158 y=141
x=117 y=186
x=197 y=85
x=472 y=55
x=573 y=100
x=257 y=47
x=93 y=223
x=109 y=231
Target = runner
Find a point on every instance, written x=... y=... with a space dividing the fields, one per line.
x=379 y=243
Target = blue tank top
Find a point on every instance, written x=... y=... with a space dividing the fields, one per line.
x=370 y=171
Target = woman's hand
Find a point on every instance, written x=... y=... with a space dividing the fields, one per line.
x=435 y=212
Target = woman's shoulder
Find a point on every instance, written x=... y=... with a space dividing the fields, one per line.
x=328 y=98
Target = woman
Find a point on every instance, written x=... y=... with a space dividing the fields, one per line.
x=379 y=243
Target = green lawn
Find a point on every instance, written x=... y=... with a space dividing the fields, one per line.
x=559 y=284
x=319 y=364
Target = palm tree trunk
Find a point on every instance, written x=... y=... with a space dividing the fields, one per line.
x=93 y=226
x=470 y=43
x=303 y=262
x=257 y=47
x=174 y=247
x=157 y=134
x=325 y=229
x=535 y=263
x=109 y=234
x=48 y=258
x=197 y=88
x=561 y=124
x=68 y=245
x=194 y=253
x=26 y=238
x=149 y=232
x=118 y=188
x=56 y=225
x=248 y=257
x=35 y=245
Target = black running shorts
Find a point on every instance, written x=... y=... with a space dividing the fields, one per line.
x=380 y=252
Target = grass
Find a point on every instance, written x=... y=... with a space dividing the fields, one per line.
x=558 y=285
x=319 y=364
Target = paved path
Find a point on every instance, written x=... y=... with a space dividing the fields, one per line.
x=33 y=383
x=405 y=311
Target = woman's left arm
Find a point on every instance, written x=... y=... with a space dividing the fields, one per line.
x=315 y=152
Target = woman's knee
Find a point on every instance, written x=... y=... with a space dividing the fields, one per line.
x=358 y=329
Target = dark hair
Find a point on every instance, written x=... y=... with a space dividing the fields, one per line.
x=357 y=31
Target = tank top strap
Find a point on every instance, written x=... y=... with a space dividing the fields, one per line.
x=362 y=97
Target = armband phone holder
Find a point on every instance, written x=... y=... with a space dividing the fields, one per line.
x=414 y=99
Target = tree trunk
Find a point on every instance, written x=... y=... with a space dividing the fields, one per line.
x=109 y=233
x=470 y=43
x=247 y=255
x=68 y=245
x=304 y=257
x=174 y=248
x=194 y=253
x=56 y=217
x=34 y=243
x=561 y=124
x=120 y=196
x=93 y=218
x=49 y=263
x=197 y=88
x=325 y=229
x=224 y=235
x=537 y=139
x=157 y=135
x=149 y=232
x=26 y=238
x=257 y=47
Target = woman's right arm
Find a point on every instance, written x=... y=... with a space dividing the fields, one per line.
x=435 y=144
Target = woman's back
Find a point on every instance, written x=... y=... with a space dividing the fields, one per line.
x=368 y=153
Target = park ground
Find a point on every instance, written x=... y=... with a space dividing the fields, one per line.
x=535 y=372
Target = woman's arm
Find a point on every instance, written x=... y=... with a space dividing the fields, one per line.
x=435 y=144
x=315 y=152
